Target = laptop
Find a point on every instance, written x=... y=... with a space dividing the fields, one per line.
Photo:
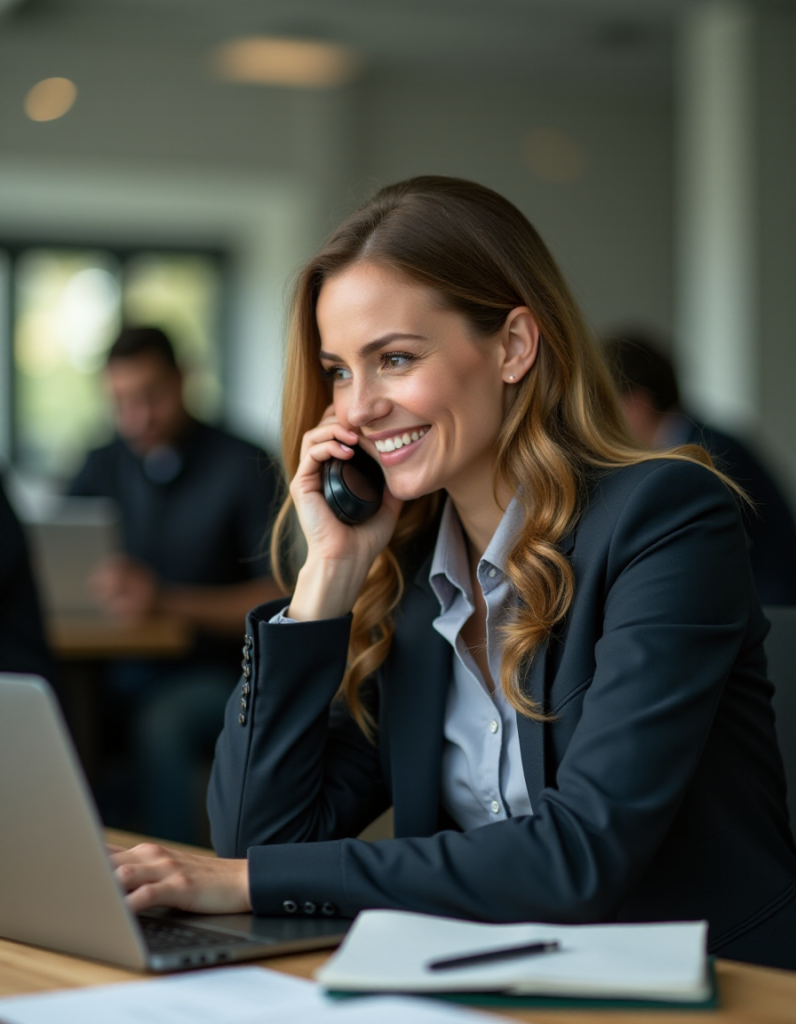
x=57 y=888
x=68 y=539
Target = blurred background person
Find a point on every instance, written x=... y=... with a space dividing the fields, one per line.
x=194 y=504
x=23 y=645
x=651 y=402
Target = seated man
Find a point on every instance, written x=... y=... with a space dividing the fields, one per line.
x=195 y=505
x=651 y=402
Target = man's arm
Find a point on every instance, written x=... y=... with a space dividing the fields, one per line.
x=221 y=610
x=131 y=591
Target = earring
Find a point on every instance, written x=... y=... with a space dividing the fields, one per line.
x=512 y=376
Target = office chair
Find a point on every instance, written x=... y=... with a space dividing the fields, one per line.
x=781 y=652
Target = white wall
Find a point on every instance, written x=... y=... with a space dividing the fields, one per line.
x=610 y=230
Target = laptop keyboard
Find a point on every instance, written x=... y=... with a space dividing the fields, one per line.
x=162 y=935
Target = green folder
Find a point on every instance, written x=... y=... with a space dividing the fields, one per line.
x=506 y=1001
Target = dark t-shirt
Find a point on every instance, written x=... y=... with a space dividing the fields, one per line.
x=23 y=647
x=203 y=519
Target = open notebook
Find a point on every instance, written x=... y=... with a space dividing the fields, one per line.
x=389 y=951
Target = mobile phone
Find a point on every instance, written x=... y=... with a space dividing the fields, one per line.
x=353 y=487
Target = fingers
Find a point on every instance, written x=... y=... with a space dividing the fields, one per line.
x=154 y=876
x=327 y=431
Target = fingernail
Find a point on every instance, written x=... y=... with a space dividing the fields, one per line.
x=345 y=447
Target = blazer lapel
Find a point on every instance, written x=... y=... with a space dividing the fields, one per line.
x=532 y=733
x=413 y=704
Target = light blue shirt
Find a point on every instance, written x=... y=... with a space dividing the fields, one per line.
x=482 y=776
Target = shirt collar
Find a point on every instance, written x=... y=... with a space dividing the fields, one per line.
x=449 y=571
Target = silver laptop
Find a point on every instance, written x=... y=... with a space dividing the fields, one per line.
x=57 y=888
x=68 y=539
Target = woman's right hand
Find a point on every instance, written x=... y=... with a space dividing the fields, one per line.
x=338 y=556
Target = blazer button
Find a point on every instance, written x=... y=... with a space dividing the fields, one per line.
x=241 y=719
x=309 y=907
x=243 y=703
x=290 y=906
x=245 y=689
x=248 y=643
x=329 y=909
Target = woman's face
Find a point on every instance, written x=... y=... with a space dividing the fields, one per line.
x=411 y=378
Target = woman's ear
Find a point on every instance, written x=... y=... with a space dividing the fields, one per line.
x=520 y=344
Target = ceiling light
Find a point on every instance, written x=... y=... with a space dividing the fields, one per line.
x=268 y=60
x=50 y=99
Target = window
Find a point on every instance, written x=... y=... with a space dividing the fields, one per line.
x=66 y=305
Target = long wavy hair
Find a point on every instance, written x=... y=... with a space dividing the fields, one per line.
x=483 y=258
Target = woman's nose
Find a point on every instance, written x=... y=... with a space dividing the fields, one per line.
x=365 y=403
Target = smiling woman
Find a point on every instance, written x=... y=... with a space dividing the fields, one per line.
x=543 y=650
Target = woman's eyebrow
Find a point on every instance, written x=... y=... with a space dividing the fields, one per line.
x=376 y=344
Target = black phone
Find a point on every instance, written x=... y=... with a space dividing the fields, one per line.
x=353 y=487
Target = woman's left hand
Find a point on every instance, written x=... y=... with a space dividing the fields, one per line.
x=155 y=876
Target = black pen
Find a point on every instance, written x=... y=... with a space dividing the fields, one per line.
x=491 y=955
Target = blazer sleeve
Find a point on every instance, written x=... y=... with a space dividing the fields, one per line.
x=291 y=765
x=672 y=593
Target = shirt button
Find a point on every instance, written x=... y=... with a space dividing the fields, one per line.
x=492 y=573
x=495 y=807
x=290 y=906
x=493 y=726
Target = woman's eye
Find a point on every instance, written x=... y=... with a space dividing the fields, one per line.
x=335 y=373
x=395 y=360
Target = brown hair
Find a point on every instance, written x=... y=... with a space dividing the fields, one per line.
x=483 y=258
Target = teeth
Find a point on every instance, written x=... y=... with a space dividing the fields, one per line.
x=392 y=444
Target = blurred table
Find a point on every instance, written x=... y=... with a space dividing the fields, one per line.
x=747 y=995
x=94 y=637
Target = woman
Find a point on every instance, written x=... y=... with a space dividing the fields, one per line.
x=547 y=644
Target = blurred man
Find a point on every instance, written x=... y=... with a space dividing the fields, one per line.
x=651 y=402
x=195 y=504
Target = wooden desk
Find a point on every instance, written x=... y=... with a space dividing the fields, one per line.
x=748 y=995
x=92 y=637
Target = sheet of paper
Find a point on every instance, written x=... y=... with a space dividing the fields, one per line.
x=228 y=994
x=388 y=950
x=224 y=995
x=383 y=1010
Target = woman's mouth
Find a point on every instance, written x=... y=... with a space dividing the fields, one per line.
x=400 y=440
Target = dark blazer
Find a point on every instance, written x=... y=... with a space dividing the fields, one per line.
x=657 y=790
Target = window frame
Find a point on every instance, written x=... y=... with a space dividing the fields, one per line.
x=15 y=247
